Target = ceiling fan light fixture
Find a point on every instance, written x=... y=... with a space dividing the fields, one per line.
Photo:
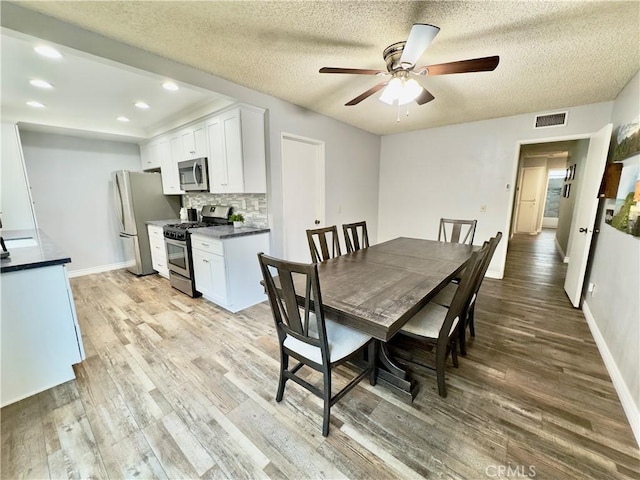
x=392 y=91
x=410 y=92
x=401 y=91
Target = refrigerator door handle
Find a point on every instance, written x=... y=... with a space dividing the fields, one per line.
x=119 y=205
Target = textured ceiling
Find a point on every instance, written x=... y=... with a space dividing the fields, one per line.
x=552 y=54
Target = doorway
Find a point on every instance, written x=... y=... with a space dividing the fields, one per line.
x=583 y=161
x=302 y=193
x=553 y=197
x=530 y=187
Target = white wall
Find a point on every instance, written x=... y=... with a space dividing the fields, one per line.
x=352 y=155
x=452 y=171
x=614 y=307
x=72 y=192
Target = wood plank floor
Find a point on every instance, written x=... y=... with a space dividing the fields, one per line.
x=174 y=387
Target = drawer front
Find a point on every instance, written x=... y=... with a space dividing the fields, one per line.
x=210 y=245
x=155 y=233
x=157 y=245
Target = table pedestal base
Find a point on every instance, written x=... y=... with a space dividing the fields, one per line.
x=394 y=377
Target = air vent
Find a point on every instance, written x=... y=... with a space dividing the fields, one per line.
x=558 y=119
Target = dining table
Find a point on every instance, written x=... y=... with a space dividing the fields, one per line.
x=378 y=289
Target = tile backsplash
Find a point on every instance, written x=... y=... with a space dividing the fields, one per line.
x=252 y=205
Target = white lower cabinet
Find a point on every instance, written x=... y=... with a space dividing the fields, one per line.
x=39 y=332
x=210 y=276
x=158 y=250
x=227 y=272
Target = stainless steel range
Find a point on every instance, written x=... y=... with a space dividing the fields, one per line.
x=178 y=242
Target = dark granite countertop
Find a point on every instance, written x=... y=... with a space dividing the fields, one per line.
x=228 y=231
x=44 y=253
x=162 y=223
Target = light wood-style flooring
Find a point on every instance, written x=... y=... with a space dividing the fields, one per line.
x=174 y=387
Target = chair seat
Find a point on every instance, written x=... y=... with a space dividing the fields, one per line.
x=428 y=321
x=445 y=296
x=342 y=340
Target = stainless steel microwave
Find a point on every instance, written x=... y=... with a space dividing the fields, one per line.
x=193 y=174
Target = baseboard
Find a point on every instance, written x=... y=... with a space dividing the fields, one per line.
x=626 y=399
x=563 y=255
x=102 y=268
x=494 y=274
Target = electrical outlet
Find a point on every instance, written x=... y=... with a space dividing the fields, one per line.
x=244 y=204
x=483 y=208
x=256 y=205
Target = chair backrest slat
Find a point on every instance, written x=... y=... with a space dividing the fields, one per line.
x=464 y=292
x=456 y=227
x=285 y=305
x=352 y=237
x=318 y=237
x=493 y=243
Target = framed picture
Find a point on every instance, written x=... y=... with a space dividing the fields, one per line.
x=626 y=141
x=567 y=174
x=568 y=190
x=573 y=171
x=608 y=215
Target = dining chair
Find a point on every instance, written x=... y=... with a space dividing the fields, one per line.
x=305 y=334
x=319 y=240
x=451 y=230
x=445 y=296
x=437 y=325
x=352 y=239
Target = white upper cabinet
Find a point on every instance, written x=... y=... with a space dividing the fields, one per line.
x=194 y=142
x=169 y=168
x=237 y=151
x=150 y=155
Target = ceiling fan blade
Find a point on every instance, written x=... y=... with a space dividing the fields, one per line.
x=366 y=94
x=484 y=64
x=357 y=71
x=424 y=97
x=420 y=37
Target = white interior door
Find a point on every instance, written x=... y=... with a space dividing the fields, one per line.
x=585 y=215
x=302 y=192
x=529 y=199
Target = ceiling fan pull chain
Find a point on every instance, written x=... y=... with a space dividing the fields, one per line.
x=407 y=109
x=398 y=117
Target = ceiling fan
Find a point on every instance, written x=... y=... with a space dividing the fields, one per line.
x=401 y=58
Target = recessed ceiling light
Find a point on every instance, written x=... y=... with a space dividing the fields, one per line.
x=142 y=105
x=34 y=104
x=170 y=86
x=47 y=51
x=40 y=83
x=122 y=119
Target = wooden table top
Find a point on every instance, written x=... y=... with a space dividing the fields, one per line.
x=378 y=289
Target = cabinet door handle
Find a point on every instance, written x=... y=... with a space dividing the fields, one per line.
x=205 y=244
x=205 y=261
x=192 y=152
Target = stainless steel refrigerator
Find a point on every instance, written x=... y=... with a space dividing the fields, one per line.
x=139 y=198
